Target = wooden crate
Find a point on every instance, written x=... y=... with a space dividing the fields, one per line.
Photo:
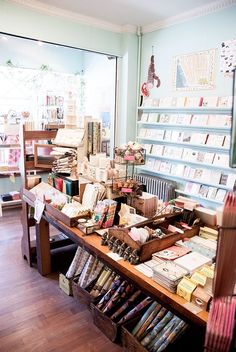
x=131 y=344
x=105 y=324
x=65 y=284
x=82 y=294
x=147 y=249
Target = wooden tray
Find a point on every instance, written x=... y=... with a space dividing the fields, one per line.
x=56 y=213
x=147 y=249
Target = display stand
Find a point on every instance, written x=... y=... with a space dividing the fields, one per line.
x=25 y=166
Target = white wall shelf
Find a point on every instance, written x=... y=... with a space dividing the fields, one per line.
x=188 y=145
x=182 y=178
x=188 y=110
x=194 y=163
x=178 y=191
x=185 y=121
x=186 y=127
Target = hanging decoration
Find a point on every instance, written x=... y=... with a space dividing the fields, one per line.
x=152 y=77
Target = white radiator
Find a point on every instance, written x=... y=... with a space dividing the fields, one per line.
x=163 y=189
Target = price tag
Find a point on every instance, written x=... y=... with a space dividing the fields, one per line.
x=38 y=210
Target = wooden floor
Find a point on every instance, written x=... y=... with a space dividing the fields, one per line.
x=35 y=315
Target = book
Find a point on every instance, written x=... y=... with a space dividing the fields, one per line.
x=171 y=253
x=195 y=188
x=223 y=179
x=192 y=261
x=215 y=140
x=165 y=102
x=167 y=135
x=159 y=134
x=186 y=137
x=173 y=119
x=150 y=163
x=177 y=136
x=199 y=120
x=142 y=132
x=225 y=102
x=226 y=143
x=164 y=118
x=153 y=117
x=148 y=148
x=165 y=167
x=157 y=149
x=212 y=192
x=210 y=102
x=180 y=101
x=156 y=166
x=189 y=154
x=144 y=117
x=203 y=191
x=198 y=174
x=221 y=160
x=231 y=180
x=198 y=138
x=220 y=195
x=209 y=157
x=193 y=102
x=177 y=169
x=215 y=177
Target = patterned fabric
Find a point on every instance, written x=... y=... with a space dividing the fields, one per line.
x=147 y=319
x=74 y=265
x=126 y=305
x=134 y=312
x=82 y=261
x=109 y=293
x=86 y=271
x=120 y=293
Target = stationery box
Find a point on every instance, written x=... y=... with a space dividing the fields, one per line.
x=200 y=298
x=185 y=288
x=146 y=204
x=65 y=284
x=192 y=261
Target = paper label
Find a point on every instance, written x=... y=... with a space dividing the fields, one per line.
x=129 y=157
x=126 y=190
x=199 y=278
x=208 y=271
x=38 y=210
x=185 y=288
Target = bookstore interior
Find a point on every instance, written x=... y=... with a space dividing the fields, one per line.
x=118 y=175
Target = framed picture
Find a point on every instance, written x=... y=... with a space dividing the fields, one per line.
x=232 y=156
x=194 y=71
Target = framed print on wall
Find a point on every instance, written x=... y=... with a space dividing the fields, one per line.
x=194 y=71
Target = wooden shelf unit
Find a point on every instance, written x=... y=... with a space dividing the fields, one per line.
x=25 y=167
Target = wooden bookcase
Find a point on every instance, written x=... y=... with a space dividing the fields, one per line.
x=25 y=166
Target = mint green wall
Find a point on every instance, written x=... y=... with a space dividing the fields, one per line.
x=203 y=33
x=127 y=104
x=20 y=20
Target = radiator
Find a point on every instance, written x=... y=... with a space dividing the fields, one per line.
x=162 y=188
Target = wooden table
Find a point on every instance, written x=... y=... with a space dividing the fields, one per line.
x=92 y=243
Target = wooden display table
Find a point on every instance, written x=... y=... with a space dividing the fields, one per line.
x=93 y=244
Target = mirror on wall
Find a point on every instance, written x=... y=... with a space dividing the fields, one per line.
x=50 y=84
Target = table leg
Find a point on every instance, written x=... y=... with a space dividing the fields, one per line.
x=43 y=247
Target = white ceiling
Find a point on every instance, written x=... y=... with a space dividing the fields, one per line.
x=120 y=13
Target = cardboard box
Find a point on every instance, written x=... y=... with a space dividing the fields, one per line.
x=65 y=284
x=146 y=204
